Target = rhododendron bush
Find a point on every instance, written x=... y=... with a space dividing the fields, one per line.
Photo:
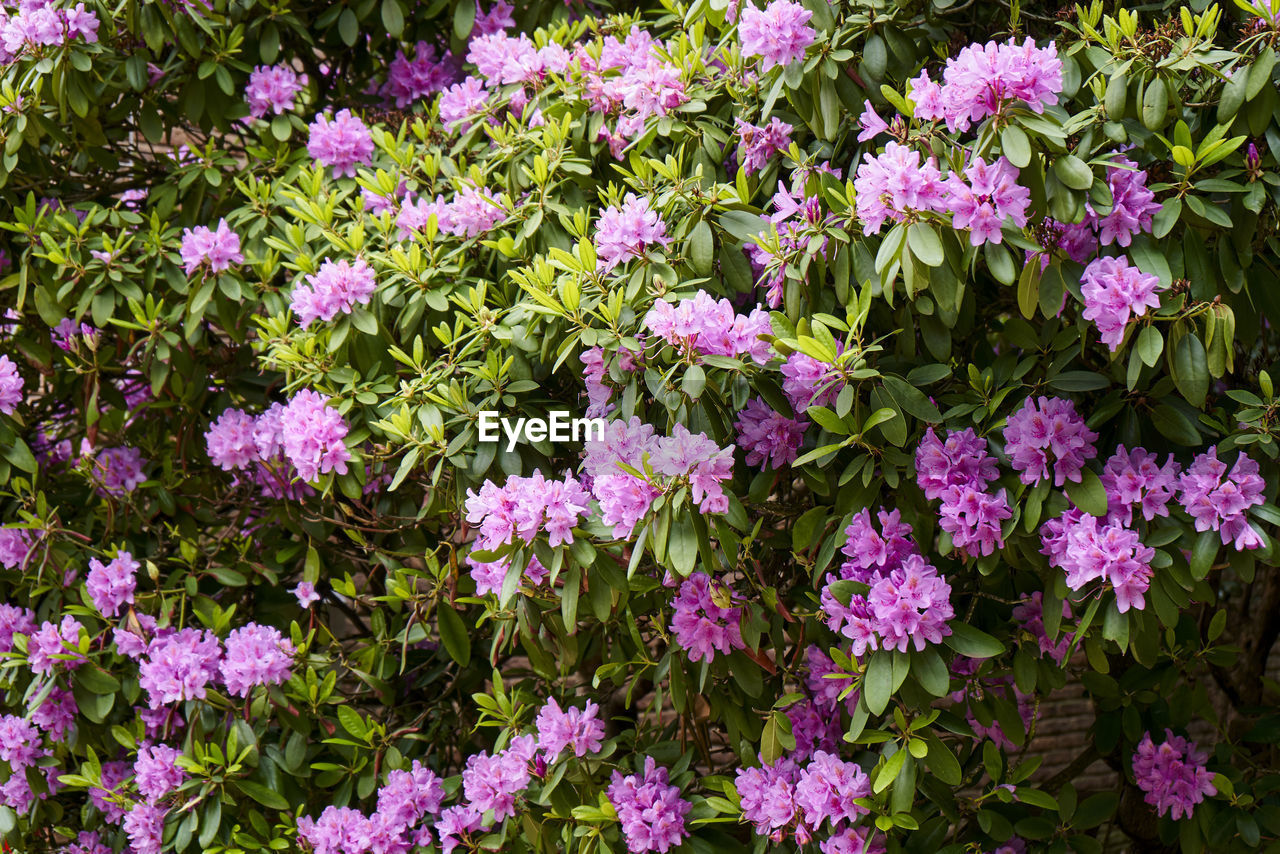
x=933 y=349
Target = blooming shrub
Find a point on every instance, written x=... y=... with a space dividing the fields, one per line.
x=933 y=346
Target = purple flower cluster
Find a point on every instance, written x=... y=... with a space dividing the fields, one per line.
x=1172 y=775
x=409 y=80
x=908 y=603
x=626 y=232
x=273 y=89
x=683 y=458
x=313 y=433
x=710 y=327
x=1113 y=293
x=784 y=797
x=700 y=623
x=335 y=287
x=896 y=185
x=525 y=506
x=809 y=382
x=958 y=472
x=1132 y=204
x=797 y=219
x=10 y=386
x=67 y=334
x=1047 y=431
x=342 y=142
x=989 y=197
x=119 y=470
x=757 y=144
x=111 y=585
x=39 y=23
x=579 y=729
x=1218 y=501
x=179 y=665
x=462 y=101
x=256 y=655
x=211 y=250
x=61 y=639
x=492 y=783
x=406 y=799
x=1135 y=478
x=982 y=80
x=767 y=436
x=650 y=810
x=489 y=577
x=471 y=213
x=1091 y=549
x=779 y=34
x=645 y=85
x=15 y=545
x=156 y=772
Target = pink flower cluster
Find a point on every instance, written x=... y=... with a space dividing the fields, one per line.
x=22 y=747
x=896 y=185
x=1135 y=478
x=470 y=213
x=683 y=458
x=1115 y=292
x=343 y=142
x=796 y=219
x=702 y=626
x=908 y=603
x=958 y=472
x=779 y=34
x=461 y=101
x=39 y=23
x=645 y=85
x=767 y=436
x=808 y=382
x=558 y=729
x=111 y=585
x=409 y=80
x=626 y=232
x=215 y=249
x=650 y=810
x=525 y=506
x=1090 y=549
x=15 y=545
x=407 y=798
x=703 y=325
x=757 y=144
x=783 y=797
x=1172 y=775
x=1048 y=431
x=990 y=197
x=1132 y=204
x=273 y=89
x=306 y=430
x=983 y=79
x=119 y=471
x=1218 y=501
x=335 y=287
x=501 y=59
x=10 y=386
x=256 y=655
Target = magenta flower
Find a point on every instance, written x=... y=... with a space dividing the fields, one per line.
x=273 y=89
x=217 y=250
x=335 y=287
x=778 y=34
x=10 y=386
x=1172 y=775
x=1048 y=431
x=410 y=80
x=156 y=772
x=312 y=434
x=1029 y=615
x=700 y=624
x=626 y=232
x=60 y=639
x=973 y=518
x=896 y=185
x=462 y=101
x=768 y=797
x=111 y=585
x=710 y=327
x=809 y=382
x=766 y=436
x=1113 y=293
x=650 y=810
x=256 y=655
x=306 y=593
x=494 y=782
x=339 y=830
x=1132 y=204
x=990 y=197
x=962 y=460
x=230 y=440
x=1135 y=478
x=342 y=142
x=525 y=506
x=577 y=728
x=757 y=144
x=827 y=788
x=870 y=123
x=489 y=577
x=982 y=79
x=1218 y=501
x=179 y=666
x=1089 y=549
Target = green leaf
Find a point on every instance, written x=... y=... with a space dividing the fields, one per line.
x=693 y=382
x=392 y=18
x=942 y=762
x=877 y=682
x=702 y=248
x=1117 y=96
x=267 y=797
x=464 y=18
x=776 y=738
x=889 y=772
x=1029 y=289
x=911 y=399
x=925 y=244
x=682 y=547
x=1155 y=104
x=967 y=640
x=930 y=671
x=1150 y=346
x=1191 y=369
x=1089 y=494
x=349 y=26
x=1079 y=381
x=453 y=633
x=1073 y=172
x=1016 y=146
x=1204 y=553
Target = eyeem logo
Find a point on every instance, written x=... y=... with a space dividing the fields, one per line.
x=559 y=427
